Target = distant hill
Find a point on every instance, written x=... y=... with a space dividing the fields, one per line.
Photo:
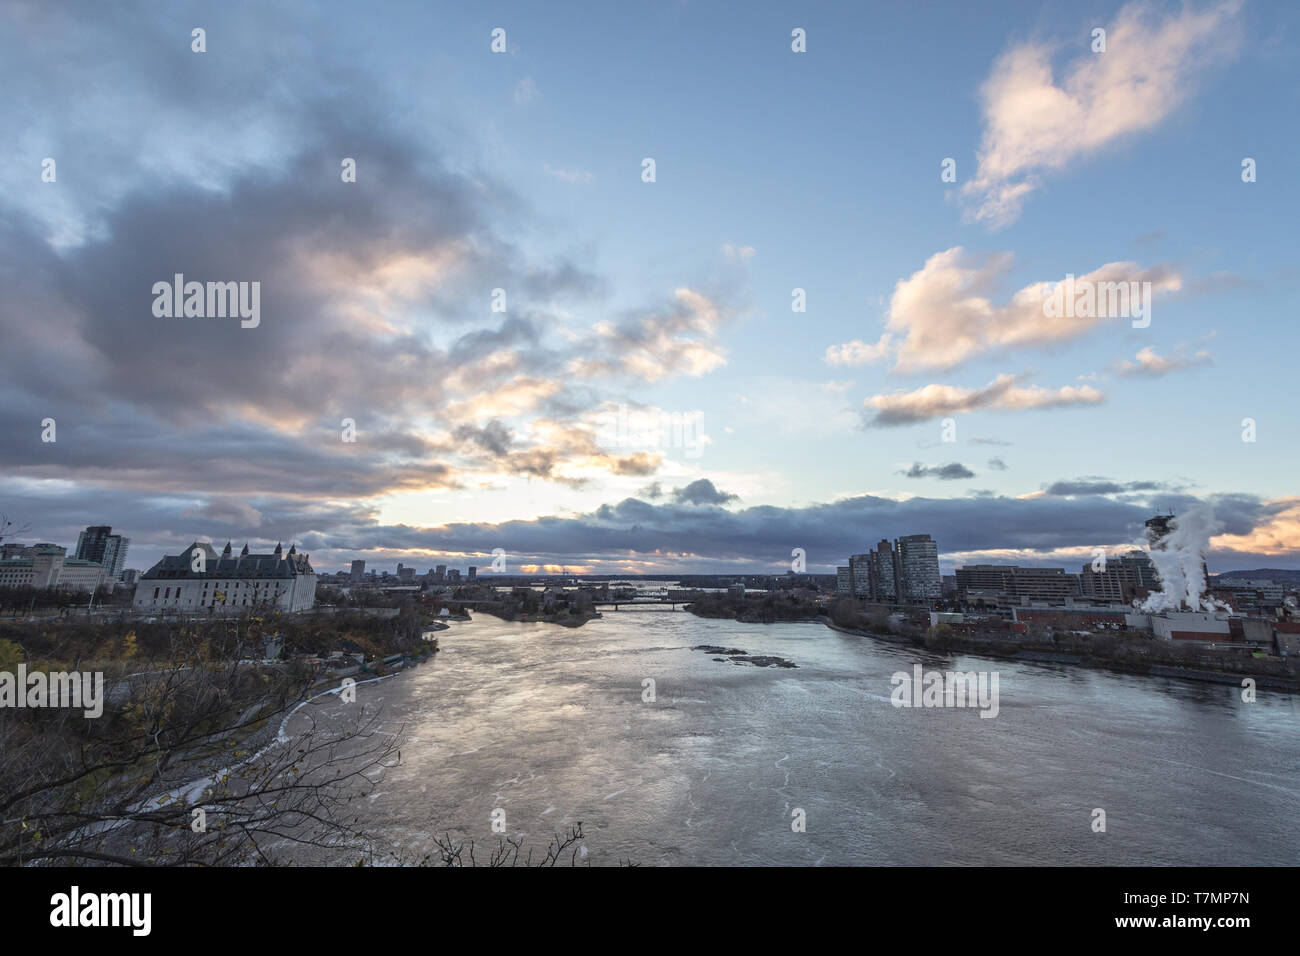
x=1275 y=574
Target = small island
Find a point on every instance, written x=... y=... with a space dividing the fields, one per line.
x=737 y=656
x=770 y=607
x=552 y=606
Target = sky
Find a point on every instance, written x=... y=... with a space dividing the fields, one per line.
x=822 y=321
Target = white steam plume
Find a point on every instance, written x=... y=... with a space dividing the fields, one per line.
x=1178 y=560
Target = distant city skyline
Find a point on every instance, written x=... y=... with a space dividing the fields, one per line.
x=359 y=568
x=854 y=302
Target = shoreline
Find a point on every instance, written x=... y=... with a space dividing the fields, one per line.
x=1168 y=671
x=272 y=733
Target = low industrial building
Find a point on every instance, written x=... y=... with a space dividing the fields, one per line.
x=1079 y=617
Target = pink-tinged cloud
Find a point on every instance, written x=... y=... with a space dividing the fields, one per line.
x=1033 y=123
x=944 y=313
x=938 y=401
x=1149 y=364
x=1278 y=535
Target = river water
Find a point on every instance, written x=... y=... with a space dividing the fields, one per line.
x=549 y=725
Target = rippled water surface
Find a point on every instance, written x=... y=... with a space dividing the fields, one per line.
x=548 y=724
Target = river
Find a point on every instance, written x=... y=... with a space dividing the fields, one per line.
x=549 y=725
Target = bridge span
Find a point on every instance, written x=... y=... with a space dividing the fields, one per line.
x=641 y=605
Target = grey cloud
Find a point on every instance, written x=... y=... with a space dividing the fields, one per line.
x=758 y=538
x=949 y=472
x=1103 y=486
x=493 y=437
x=168 y=405
x=702 y=492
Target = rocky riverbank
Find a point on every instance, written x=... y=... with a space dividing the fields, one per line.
x=1127 y=657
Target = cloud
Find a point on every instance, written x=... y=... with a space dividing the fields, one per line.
x=677 y=338
x=943 y=314
x=1150 y=365
x=702 y=492
x=1033 y=124
x=938 y=401
x=225 y=510
x=637 y=536
x=493 y=437
x=1278 y=534
x=653 y=491
x=997 y=464
x=858 y=352
x=949 y=472
x=732 y=252
x=385 y=322
x=575 y=176
x=1104 y=486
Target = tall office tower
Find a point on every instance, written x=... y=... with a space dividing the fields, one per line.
x=98 y=543
x=473 y=573
x=918 y=568
x=358 y=571
x=441 y=573
x=90 y=543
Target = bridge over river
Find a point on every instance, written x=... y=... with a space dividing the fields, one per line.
x=643 y=604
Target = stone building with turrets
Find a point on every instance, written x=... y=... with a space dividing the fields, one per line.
x=198 y=580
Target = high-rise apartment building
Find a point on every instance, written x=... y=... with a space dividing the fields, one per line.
x=917 y=557
x=882 y=572
x=860 y=575
x=905 y=572
x=843 y=580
